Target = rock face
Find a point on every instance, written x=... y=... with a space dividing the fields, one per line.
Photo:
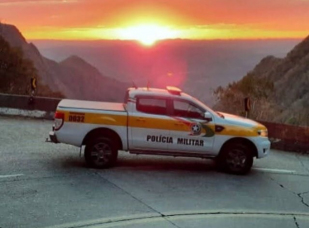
x=73 y=77
x=288 y=100
x=291 y=84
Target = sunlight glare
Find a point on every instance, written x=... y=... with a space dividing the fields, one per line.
x=147 y=34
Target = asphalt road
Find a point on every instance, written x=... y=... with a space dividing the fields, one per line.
x=44 y=184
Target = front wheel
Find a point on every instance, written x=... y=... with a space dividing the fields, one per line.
x=235 y=158
x=101 y=153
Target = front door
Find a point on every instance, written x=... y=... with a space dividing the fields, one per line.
x=191 y=131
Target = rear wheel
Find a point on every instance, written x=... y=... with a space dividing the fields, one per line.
x=101 y=153
x=235 y=158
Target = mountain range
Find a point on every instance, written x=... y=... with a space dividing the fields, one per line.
x=196 y=66
x=73 y=77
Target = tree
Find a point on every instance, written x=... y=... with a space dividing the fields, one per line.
x=260 y=91
x=16 y=72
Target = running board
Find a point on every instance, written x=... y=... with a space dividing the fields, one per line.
x=173 y=154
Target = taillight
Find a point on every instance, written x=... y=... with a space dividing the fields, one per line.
x=59 y=119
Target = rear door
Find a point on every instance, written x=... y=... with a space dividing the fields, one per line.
x=150 y=124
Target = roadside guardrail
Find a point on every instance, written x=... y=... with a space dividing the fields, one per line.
x=288 y=137
x=19 y=105
x=284 y=137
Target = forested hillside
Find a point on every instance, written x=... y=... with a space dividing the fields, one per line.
x=73 y=77
x=278 y=88
x=16 y=72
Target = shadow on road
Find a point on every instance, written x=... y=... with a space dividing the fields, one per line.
x=134 y=163
x=164 y=163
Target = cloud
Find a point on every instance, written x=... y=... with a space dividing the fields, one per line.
x=28 y=2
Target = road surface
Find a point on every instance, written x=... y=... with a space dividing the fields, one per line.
x=48 y=185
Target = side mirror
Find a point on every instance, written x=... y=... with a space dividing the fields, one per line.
x=208 y=116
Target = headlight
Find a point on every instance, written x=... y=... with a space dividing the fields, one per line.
x=263 y=133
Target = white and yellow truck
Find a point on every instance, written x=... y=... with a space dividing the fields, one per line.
x=159 y=122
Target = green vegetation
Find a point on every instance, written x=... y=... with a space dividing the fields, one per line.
x=278 y=89
x=258 y=89
x=16 y=72
x=266 y=102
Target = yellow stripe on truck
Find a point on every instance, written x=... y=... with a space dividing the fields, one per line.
x=96 y=118
x=232 y=130
x=155 y=123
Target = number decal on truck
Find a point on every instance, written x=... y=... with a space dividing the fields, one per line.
x=77 y=117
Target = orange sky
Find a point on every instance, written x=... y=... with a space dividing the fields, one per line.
x=192 y=19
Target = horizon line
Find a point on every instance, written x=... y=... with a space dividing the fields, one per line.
x=174 y=39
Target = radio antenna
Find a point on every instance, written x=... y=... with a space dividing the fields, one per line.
x=134 y=85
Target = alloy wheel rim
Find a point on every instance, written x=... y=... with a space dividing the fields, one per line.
x=236 y=159
x=101 y=153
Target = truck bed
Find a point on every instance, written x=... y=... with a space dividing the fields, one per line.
x=91 y=105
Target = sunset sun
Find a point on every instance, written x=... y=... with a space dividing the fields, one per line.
x=147 y=34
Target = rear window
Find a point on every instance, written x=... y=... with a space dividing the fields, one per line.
x=155 y=106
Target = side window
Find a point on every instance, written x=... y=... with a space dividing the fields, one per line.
x=187 y=110
x=152 y=105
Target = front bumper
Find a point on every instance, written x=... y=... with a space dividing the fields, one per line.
x=263 y=146
x=52 y=137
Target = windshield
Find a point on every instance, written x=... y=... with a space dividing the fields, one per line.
x=205 y=107
x=220 y=114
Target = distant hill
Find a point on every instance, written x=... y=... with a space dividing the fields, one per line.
x=279 y=89
x=16 y=72
x=73 y=77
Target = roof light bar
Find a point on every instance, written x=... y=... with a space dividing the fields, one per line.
x=174 y=90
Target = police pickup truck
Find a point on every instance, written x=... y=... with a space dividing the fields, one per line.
x=159 y=122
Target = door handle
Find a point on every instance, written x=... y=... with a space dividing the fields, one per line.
x=140 y=119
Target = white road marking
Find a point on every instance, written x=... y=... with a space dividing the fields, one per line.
x=275 y=170
x=12 y=175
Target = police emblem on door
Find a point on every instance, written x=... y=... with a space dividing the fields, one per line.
x=196 y=129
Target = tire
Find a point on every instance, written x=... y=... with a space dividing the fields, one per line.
x=101 y=153
x=235 y=158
